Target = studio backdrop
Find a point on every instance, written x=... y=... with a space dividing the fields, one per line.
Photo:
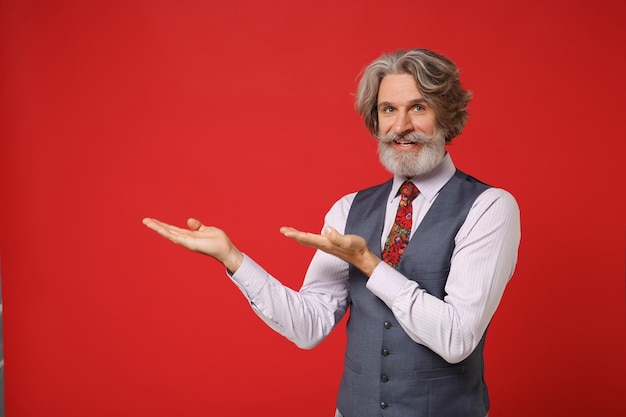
x=111 y=111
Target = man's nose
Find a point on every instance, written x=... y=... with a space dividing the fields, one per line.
x=403 y=124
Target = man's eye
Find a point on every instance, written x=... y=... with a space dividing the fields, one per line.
x=388 y=110
x=418 y=107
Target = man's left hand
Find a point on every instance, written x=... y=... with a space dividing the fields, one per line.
x=350 y=248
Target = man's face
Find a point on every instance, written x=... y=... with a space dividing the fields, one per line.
x=410 y=143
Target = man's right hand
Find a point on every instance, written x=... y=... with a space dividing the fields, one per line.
x=208 y=240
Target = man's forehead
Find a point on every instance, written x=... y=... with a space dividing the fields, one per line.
x=394 y=87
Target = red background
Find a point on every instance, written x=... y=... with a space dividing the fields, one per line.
x=115 y=110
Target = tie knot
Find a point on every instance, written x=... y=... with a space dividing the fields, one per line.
x=408 y=192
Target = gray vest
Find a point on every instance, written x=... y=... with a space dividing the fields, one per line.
x=385 y=372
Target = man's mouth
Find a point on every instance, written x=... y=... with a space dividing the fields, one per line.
x=404 y=142
x=407 y=140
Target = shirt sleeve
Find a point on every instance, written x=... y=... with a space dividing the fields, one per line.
x=306 y=316
x=482 y=263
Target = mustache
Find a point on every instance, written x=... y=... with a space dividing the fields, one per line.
x=414 y=137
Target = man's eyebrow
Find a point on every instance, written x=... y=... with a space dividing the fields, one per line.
x=420 y=100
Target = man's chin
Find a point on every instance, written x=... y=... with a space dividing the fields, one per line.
x=410 y=166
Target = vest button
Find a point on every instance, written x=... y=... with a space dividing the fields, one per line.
x=387 y=325
x=385 y=352
x=384 y=378
x=383 y=405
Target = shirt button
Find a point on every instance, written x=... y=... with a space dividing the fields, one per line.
x=387 y=325
x=383 y=405
x=384 y=378
x=246 y=283
x=385 y=352
x=270 y=317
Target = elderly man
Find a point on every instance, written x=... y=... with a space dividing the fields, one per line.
x=422 y=260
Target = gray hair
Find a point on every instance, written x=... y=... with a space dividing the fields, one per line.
x=437 y=79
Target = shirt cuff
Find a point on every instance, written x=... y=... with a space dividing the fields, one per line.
x=250 y=277
x=385 y=283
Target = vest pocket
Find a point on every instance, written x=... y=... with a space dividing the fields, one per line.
x=433 y=282
x=353 y=366
x=439 y=372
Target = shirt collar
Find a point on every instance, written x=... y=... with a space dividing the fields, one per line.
x=429 y=183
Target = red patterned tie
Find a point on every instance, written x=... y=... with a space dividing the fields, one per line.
x=398 y=238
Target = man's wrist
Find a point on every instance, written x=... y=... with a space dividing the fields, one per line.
x=233 y=260
x=369 y=263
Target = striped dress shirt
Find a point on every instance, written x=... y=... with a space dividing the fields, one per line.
x=482 y=263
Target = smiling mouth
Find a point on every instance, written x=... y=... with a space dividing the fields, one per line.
x=404 y=142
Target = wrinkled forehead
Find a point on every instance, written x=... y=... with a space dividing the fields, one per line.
x=398 y=88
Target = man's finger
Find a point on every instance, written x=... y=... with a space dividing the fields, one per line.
x=194 y=224
x=155 y=224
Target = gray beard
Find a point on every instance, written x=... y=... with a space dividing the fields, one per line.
x=412 y=164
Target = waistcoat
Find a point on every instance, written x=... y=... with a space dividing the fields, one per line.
x=386 y=373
